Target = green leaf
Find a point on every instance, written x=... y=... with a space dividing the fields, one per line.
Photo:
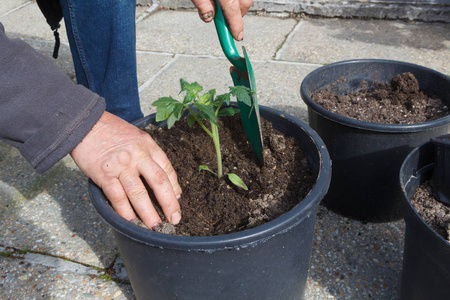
x=178 y=110
x=202 y=116
x=205 y=168
x=190 y=87
x=228 y=111
x=171 y=120
x=236 y=180
x=163 y=112
x=190 y=120
x=223 y=98
x=165 y=101
x=205 y=98
x=213 y=95
x=242 y=94
x=189 y=97
x=209 y=111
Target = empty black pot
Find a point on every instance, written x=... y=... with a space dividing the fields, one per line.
x=426 y=259
x=270 y=261
x=367 y=156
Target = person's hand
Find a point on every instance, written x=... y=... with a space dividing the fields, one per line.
x=114 y=154
x=233 y=11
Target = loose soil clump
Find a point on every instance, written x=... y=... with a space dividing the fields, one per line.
x=397 y=102
x=433 y=212
x=212 y=206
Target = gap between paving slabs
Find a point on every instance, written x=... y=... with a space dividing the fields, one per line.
x=114 y=272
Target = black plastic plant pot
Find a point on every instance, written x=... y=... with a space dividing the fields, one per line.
x=426 y=258
x=367 y=156
x=270 y=261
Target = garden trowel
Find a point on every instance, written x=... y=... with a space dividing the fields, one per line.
x=242 y=74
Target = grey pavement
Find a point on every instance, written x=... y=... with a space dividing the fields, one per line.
x=53 y=244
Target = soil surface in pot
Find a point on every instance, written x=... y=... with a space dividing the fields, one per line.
x=397 y=102
x=433 y=212
x=212 y=206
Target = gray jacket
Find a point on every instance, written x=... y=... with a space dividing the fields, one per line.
x=42 y=112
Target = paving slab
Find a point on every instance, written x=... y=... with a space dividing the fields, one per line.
x=149 y=64
x=213 y=73
x=183 y=32
x=23 y=278
x=51 y=213
x=29 y=22
x=9 y=6
x=323 y=41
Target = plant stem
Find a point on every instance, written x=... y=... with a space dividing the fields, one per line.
x=200 y=122
x=215 y=131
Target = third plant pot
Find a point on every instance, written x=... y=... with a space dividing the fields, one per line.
x=367 y=156
x=426 y=260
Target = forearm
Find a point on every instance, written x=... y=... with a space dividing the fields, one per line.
x=42 y=112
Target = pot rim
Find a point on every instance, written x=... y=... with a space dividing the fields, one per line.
x=370 y=126
x=237 y=240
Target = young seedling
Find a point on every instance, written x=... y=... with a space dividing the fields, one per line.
x=209 y=107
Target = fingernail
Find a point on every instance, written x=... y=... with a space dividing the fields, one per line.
x=178 y=197
x=207 y=16
x=241 y=36
x=176 y=217
x=155 y=226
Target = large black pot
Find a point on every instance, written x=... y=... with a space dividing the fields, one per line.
x=367 y=156
x=426 y=259
x=270 y=261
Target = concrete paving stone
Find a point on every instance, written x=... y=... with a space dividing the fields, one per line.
x=28 y=22
x=210 y=72
x=9 y=6
x=214 y=73
x=51 y=213
x=323 y=41
x=193 y=36
x=149 y=63
x=22 y=279
x=353 y=260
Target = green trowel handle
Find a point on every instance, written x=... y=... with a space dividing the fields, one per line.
x=226 y=40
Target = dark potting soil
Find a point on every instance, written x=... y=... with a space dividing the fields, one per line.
x=433 y=212
x=397 y=102
x=212 y=206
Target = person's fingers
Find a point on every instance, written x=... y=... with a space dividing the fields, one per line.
x=205 y=9
x=232 y=12
x=139 y=198
x=159 y=182
x=245 y=6
x=163 y=161
x=119 y=200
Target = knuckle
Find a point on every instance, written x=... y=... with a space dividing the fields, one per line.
x=138 y=192
x=116 y=161
x=233 y=5
x=159 y=177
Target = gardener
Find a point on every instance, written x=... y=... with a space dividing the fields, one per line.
x=46 y=116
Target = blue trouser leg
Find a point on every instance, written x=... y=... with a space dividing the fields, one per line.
x=102 y=37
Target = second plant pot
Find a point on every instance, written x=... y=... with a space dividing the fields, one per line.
x=270 y=261
x=367 y=156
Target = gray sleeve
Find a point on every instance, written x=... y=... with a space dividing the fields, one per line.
x=42 y=112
